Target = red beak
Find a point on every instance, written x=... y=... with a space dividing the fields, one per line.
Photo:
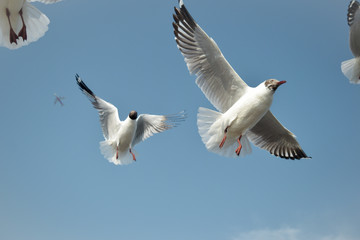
x=281 y=82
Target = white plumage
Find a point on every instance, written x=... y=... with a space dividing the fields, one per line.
x=21 y=23
x=122 y=136
x=351 y=68
x=243 y=111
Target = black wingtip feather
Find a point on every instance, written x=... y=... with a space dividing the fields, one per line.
x=353 y=7
x=297 y=154
x=83 y=86
x=184 y=15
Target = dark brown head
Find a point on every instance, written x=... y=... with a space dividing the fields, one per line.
x=273 y=84
x=133 y=115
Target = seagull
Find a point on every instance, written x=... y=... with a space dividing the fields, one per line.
x=21 y=23
x=58 y=99
x=243 y=112
x=122 y=136
x=351 y=68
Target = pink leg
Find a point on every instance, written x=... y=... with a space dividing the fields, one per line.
x=22 y=32
x=223 y=141
x=132 y=154
x=13 y=36
x=238 y=150
x=117 y=152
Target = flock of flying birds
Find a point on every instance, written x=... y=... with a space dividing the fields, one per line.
x=242 y=115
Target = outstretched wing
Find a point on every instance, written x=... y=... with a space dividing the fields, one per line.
x=270 y=135
x=215 y=76
x=109 y=117
x=148 y=125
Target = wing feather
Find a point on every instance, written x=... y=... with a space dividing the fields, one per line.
x=148 y=125
x=270 y=135
x=215 y=76
x=108 y=113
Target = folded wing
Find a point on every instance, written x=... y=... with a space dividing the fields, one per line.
x=109 y=117
x=215 y=76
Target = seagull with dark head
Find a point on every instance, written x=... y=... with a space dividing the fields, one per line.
x=243 y=112
x=122 y=136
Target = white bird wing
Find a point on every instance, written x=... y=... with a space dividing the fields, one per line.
x=45 y=1
x=270 y=135
x=109 y=116
x=148 y=125
x=215 y=76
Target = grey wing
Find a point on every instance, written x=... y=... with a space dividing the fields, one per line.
x=108 y=113
x=215 y=76
x=45 y=1
x=270 y=135
x=353 y=7
x=148 y=125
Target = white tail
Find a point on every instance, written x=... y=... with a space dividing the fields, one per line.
x=211 y=129
x=108 y=149
x=36 y=25
x=351 y=69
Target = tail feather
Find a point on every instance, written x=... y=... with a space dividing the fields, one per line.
x=351 y=69
x=108 y=149
x=36 y=25
x=211 y=130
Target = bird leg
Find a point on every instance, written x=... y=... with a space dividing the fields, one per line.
x=223 y=141
x=132 y=154
x=13 y=36
x=238 y=150
x=117 y=152
x=22 y=32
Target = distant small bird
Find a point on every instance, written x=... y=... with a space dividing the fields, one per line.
x=244 y=111
x=58 y=99
x=21 y=23
x=351 y=68
x=122 y=136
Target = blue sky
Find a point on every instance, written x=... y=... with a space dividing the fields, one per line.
x=55 y=184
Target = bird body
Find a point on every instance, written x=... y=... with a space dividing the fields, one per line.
x=21 y=23
x=126 y=134
x=117 y=149
x=249 y=109
x=242 y=116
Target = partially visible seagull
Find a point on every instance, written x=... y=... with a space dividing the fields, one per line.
x=58 y=99
x=21 y=23
x=351 y=68
x=122 y=136
x=243 y=111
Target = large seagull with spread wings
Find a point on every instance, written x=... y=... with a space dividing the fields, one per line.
x=243 y=112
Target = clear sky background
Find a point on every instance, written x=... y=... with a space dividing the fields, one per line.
x=55 y=184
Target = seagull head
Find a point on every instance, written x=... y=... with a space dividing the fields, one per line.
x=273 y=84
x=133 y=115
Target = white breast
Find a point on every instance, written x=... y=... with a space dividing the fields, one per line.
x=126 y=134
x=248 y=110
